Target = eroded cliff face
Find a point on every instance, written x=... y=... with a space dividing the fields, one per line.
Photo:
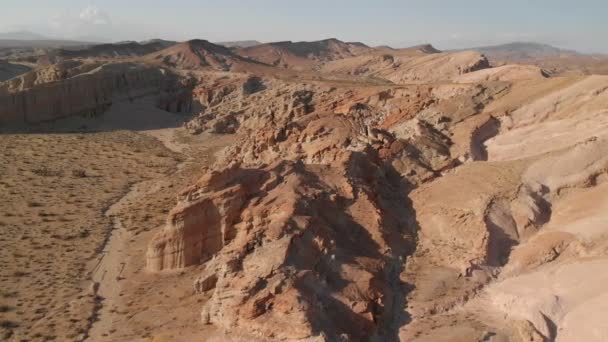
x=304 y=224
x=309 y=249
x=418 y=212
x=405 y=67
x=508 y=226
x=56 y=93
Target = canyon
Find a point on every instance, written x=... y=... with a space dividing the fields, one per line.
x=303 y=191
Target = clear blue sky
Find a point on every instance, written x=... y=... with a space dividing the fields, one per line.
x=581 y=24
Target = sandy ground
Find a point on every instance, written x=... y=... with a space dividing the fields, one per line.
x=55 y=189
x=76 y=213
x=138 y=305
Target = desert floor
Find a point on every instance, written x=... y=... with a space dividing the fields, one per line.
x=76 y=212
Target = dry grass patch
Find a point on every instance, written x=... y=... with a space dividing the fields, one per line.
x=55 y=189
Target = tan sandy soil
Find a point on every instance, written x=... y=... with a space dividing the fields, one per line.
x=55 y=190
x=136 y=304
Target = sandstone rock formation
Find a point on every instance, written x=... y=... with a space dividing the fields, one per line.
x=115 y=50
x=302 y=55
x=307 y=245
x=516 y=223
x=198 y=53
x=388 y=212
x=410 y=65
x=46 y=74
x=71 y=89
x=555 y=60
x=503 y=73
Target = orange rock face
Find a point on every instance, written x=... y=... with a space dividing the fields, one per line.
x=56 y=93
x=343 y=212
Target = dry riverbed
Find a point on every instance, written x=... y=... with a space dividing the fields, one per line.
x=55 y=190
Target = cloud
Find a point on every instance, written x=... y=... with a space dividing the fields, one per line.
x=88 y=17
x=90 y=21
x=93 y=15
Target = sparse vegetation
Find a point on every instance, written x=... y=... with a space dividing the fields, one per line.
x=6 y=308
x=47 y=172
x=52 y=221
x=79 y=173
x=6 y=324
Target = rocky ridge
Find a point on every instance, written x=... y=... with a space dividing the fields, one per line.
x=337 y=207
x=89 y=89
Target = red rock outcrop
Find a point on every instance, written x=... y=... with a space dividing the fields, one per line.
x=306 y=220
x=57 y=95
x=197 y=54
x=308 y=245
x=342 y=211
x=405 y=67
x=302 y=55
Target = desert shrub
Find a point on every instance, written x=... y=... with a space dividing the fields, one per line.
x=6 y=324
x=8 y=294
x=5 y=308
x=46 y=172
x=79 y=173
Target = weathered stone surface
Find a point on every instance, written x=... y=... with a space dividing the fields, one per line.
x=57 y=95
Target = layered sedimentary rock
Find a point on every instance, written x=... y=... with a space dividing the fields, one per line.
x=197 y=54
x=405 y=68
x=308 y=246
x=202 y=224
x=306 y=218
x=503 y=73
x=46 y=74
x=532 y=212
x=302 y=55
x=53 y=94
x=420 y=211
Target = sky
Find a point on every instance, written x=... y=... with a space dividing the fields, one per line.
x=448 y=24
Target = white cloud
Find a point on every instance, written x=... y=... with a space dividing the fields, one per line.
x=456 y=35
x=89 y=22
x=93 y=15
x=89 y=16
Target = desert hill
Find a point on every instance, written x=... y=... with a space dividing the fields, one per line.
x=409 y=65
x=503 y=73
x=550 y=58
x=423 y=48
x=124 y=49
x=302 y=54
x=198 y=53
x=26 y=39
x=522 y=51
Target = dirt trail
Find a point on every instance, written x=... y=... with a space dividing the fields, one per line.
x=108 y=273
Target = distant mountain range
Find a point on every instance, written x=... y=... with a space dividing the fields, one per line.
x=522 y=51
x=292 y=54
x=22 y=35
x=26 y=39
x=554 y=60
